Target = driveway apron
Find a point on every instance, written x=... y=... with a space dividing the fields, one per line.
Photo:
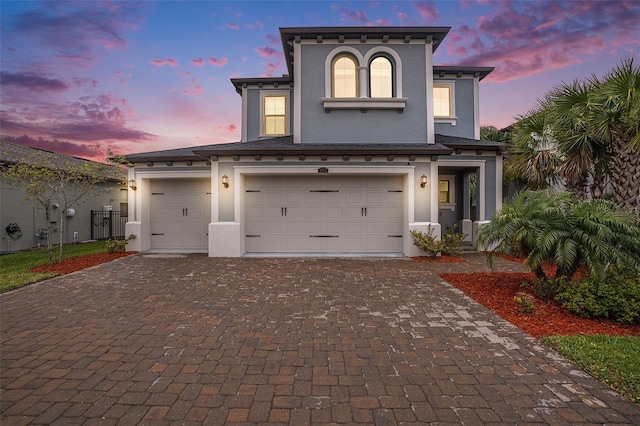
x=167 y=338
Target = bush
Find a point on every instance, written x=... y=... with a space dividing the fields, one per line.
x=547 y=289
x=116 y=245
x=451 y=241
x=426 y=242
x=448 y=244
x=616 y=297
x=525 y=301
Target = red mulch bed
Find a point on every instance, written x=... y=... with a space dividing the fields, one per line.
x=80 y=262
x=445 y=258
x=496 y=290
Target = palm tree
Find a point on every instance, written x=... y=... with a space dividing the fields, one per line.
x=515 y=229
x=556 y=227
x=532 y=154
x=616 y=118
x=586 y=164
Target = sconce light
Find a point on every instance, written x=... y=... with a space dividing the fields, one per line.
x=132 y=184
x=423 y=181
x=225 y=181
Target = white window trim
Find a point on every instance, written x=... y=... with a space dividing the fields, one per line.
x=363 y=102
x=453 y=119
x=287 y=117
x=452 y=193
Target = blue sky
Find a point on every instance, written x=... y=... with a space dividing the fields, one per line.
x=81 y=77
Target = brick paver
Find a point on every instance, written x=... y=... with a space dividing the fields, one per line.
x=166 y=338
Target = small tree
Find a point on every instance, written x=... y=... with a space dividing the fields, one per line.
x=55 y=184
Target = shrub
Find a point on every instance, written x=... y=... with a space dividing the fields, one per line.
x=117 y=244
x=426 y=242
x=451 y=241
x=547 y=289
x=448 y=244
x=525 y=301
x=616 y=297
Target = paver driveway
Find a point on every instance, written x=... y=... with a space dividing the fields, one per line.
x=158 y=339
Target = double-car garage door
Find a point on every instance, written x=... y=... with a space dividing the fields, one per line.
x=323 y=214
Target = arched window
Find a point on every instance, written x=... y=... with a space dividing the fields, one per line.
x=381 y=78
x=345 y=78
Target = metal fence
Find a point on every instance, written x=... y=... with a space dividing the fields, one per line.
x=107 y=224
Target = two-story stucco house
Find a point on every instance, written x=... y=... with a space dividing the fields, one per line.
x=364 y=140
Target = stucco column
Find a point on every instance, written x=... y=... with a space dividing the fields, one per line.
x=362 y=82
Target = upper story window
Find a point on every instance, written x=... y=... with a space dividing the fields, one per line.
x=345 y=78
x=444 y=100
x=381 y=78
x=358 y=81
x=274 y=114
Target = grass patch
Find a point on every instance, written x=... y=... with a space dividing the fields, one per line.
x=615 y=360
x=15 y=268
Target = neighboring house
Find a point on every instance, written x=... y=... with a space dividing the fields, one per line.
x=23 y=224
x=364 y=140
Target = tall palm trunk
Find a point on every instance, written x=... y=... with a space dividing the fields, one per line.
x=626 y=174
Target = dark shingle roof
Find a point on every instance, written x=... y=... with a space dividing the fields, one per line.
x=11 y=153
x=456 y=142
x=284 y=145
x=480 y=72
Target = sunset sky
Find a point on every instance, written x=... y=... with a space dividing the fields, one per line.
x=80 y=77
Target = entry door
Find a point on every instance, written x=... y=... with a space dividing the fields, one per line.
x=180 y=214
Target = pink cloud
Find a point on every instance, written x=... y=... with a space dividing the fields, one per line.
x=267 y=52
x=197 y=62
x=273 y=39
x=228 y=128
x=218 y=62
x=427 y=10
x=32 y=81
x=359 y=16
x=194 y=89
x=233 y=26
x=521 y=39
x=403 y=17
x=162 y=62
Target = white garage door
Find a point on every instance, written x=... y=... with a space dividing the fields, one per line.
x=180 y=214
x=324 y=214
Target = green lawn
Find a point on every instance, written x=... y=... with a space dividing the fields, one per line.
x=15 y=268
x=615 y=360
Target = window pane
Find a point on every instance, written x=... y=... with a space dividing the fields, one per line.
x=444 y=193
x=381 y=79
x=275 y=113
x=344 y=78
x=442 y=101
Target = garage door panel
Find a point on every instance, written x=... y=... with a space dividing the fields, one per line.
x=181 y=211
x=325 y=214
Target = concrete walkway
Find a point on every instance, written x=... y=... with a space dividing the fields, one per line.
x=162 y=339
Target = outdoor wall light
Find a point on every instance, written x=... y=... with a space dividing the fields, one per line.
x=132 y=184
x=423 y=181
x=225 y=181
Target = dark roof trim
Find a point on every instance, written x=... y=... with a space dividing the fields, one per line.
x=457 y=143
x=240 y=82
x=283 y=145
x=480 y=72
x=289 y=35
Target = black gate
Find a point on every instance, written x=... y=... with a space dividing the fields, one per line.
x=107 y=224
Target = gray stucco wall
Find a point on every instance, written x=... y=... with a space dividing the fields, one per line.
x=353 y=126
x=14 y=209
x=464 y=104
x=254 y=119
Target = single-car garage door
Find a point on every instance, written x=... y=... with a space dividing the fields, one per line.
x=180 y=214
x=324 y=214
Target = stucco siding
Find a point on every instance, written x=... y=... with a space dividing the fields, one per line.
x=354 y=126
x=464 y=110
